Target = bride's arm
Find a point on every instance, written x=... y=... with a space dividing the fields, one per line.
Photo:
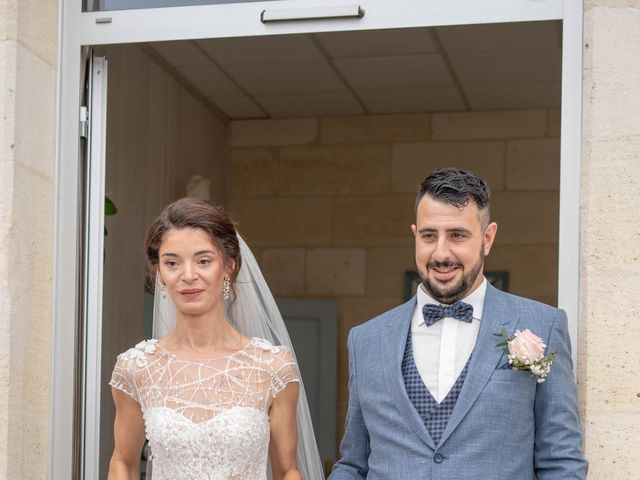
x=128 y=432
x=284 y=435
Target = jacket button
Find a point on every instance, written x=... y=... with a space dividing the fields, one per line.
x=438 y=457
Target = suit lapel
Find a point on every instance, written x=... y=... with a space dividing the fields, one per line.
x=495 y=316
x=393 y=338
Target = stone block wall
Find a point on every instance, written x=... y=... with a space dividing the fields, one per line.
x=28 y=63
x=326 y=203
x=609 y=327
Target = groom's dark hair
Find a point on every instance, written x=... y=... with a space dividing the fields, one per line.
x=458 y=188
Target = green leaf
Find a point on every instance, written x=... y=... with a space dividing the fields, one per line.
x=109 y=207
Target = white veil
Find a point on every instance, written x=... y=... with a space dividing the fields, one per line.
x=255 y=314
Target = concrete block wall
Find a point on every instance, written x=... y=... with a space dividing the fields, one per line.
x=28 y=62
x=326 y=203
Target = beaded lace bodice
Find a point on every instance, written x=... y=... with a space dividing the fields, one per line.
x=206 y=418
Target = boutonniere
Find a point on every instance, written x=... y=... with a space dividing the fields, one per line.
x=525 y=351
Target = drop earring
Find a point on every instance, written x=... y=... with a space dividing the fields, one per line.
x=163 y=291
x=226 y=289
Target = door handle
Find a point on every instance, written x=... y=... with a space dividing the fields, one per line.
x=312 y=13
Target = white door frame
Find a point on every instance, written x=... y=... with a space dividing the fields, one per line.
x=78 y=29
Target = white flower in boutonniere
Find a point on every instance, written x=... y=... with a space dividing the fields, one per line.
x=525 y=351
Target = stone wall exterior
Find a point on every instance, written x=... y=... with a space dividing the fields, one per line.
x=608 y=358
x=326 y=203
x=28 y=62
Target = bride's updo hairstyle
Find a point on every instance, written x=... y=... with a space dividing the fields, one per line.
x=195 y=213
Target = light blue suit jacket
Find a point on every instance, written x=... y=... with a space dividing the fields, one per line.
x=505 y=425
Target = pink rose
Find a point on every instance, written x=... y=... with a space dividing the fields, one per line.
x=526 y=347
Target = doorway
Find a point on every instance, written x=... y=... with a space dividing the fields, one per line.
x=322 y=103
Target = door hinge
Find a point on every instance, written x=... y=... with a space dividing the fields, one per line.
x=84 y=122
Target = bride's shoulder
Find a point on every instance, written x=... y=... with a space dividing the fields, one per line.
x=139 y=353
x=267 y=346
x=273 y=354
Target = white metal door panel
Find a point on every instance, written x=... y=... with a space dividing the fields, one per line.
x=93 y=262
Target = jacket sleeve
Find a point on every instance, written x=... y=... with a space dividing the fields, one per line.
x=558 y=437
x=354 y=448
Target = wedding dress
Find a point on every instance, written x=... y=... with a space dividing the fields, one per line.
x=206 y=418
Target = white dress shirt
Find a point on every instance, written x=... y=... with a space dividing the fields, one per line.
x=441 y=351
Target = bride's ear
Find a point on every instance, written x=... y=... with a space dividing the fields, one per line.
x=229 y=267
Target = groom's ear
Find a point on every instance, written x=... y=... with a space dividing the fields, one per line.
x=489 y=237
x=414 y=229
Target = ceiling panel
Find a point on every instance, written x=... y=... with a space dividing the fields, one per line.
x=500 y=36
x=286 y=77
x=435 y=99
x=509 y=66
x=308 y=105
x=239 y=107
x=277 y=48
x=392 y=73
x=499 y=66
x=181 y=54
x=377 y=43
x=498 y=97
x=211 y=81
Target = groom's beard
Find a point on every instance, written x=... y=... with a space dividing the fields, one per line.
x=452 y=292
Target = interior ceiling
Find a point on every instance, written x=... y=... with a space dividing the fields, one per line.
x=470 y=67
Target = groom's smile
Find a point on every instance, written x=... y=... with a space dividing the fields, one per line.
x=451 y=243
x=444 y=271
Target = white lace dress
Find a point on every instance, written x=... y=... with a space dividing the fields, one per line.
x=206 y=418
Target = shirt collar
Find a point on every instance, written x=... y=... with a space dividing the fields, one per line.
x=475 y=299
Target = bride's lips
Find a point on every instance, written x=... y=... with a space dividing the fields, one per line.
x=190 y=293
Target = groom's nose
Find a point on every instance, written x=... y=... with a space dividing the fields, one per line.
x=442 y=252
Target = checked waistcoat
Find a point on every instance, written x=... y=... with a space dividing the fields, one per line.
x=434 y=415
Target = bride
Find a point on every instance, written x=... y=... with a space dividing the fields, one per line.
x=219 y=396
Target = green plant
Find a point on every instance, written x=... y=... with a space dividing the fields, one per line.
x=109 y=209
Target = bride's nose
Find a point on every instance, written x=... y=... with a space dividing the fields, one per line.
x=189 y=273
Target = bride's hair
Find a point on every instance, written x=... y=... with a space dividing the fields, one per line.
x=195 y=213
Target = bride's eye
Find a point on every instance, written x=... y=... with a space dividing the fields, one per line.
x=204 y=261
x=171 y=263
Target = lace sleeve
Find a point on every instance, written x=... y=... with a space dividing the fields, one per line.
x=284 y=371
x=122 y=377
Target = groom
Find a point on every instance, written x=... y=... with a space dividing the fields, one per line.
x=430 y=394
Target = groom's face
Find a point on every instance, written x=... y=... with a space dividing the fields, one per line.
x=451 y=244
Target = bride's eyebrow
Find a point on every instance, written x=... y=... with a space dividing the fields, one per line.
x=203 y=252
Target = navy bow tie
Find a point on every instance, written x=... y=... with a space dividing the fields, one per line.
x=460 y=310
